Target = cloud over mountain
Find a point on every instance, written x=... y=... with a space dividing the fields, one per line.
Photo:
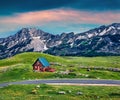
x=57 y=15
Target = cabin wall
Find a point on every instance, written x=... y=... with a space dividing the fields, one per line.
x=37 y=66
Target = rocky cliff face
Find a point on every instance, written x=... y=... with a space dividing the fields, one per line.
x=104 y=40
x=27 y=39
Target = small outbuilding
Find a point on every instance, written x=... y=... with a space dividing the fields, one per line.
x=42 y=65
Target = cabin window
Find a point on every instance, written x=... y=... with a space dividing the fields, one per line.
x=35 y=67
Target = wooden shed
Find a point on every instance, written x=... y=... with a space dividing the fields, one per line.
x=42 y=65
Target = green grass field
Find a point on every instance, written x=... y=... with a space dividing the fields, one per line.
x=19 y=67
x=47 y=92
x=29 y=58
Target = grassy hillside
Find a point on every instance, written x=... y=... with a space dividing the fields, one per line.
x=19 y=67
x=108 y=61
x=47 y=92
x=29 y=58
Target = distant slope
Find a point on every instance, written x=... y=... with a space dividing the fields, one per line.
x=101 y=41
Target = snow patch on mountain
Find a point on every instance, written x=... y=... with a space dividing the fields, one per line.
x=118 y=28
x=104 y=39
x=103 y=32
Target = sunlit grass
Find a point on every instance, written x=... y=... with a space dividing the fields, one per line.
x=19 y=67
x=47 y=92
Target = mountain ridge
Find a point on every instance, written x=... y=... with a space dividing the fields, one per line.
x=104 y=40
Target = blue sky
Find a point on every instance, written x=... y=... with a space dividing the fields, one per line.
x=57 y=16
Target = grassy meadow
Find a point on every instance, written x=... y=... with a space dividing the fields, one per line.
x=49 y=92
x=19 y=67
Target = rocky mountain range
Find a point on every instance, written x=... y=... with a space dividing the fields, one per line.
x=101 y=41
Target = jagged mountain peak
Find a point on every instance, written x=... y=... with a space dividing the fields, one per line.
x=31 y=32
x=101 y=40
x=67 y=34
x=103 y=30
x=115 y=24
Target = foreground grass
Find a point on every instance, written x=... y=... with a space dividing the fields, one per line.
x=19 y=67
x=47 y=92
